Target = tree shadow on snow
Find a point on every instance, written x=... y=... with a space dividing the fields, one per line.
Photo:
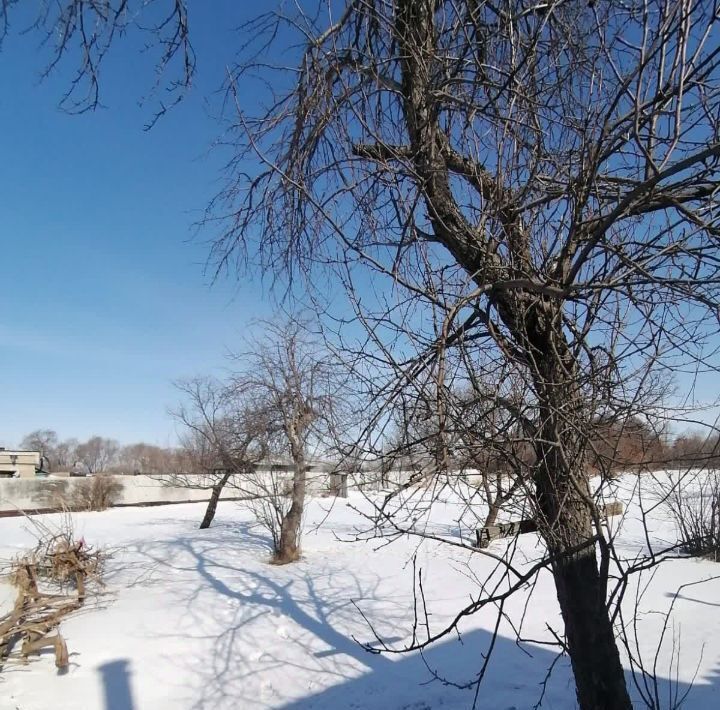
x=311 y=659
x=237 y=587
x=514 y=681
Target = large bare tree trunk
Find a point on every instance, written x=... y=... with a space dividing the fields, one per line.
x=599 y=675
x=289 y=544
x=581 y=592
x=565 y=520
x=213 y=502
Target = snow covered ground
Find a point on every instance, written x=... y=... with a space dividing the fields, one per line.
x=197 y=620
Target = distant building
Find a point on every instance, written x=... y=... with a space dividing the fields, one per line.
x=20 y=464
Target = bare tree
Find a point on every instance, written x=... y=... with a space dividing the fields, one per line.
x=58 y=455
x=491 y=442
x=695 y=449
x=97 y=454
x=46 y=442
x=536 y=183
x=147 y=458
x=691 y=498
x=83 y=32
x=294 y=382
x=225 y=438
x=64 y=455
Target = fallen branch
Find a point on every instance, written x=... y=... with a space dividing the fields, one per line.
x=52 y=583
x=484 y=536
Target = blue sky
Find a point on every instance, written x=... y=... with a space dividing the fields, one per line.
x=105 y=300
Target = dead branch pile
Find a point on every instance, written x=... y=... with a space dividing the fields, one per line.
x=52 y=580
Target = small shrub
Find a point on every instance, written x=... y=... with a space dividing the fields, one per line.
x=97 y=493
x=694 y=504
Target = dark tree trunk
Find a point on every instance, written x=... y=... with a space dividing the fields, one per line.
x=565 y=518
x=581 y=591
x=565 y=509
x=213 y=502
x=493 y=502
x=289 y=543
x=288 y=549
x=593 y=651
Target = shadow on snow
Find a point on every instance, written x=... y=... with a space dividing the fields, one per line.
x=317 y=596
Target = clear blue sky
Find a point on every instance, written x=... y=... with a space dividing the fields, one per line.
x=104 y=301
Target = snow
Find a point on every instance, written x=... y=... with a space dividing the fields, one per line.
x=198 y=620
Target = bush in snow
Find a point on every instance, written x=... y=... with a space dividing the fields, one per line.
x=97 y=493
x=693 y=500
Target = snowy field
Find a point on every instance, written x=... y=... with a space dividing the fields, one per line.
x=197 y=620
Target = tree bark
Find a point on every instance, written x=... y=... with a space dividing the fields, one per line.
x=599 y=675
x=213 y=502
x=565 y=509
x=493 y=509
x=565 y=519
x=581 y=592
x=289 y=544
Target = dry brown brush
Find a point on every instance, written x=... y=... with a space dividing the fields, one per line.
x=52 y=581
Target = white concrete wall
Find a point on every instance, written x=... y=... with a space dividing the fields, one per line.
x=30 y=493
